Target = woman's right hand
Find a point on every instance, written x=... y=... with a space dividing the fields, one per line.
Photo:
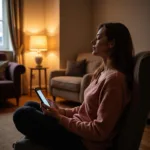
x=52 y=104
x=50 y=111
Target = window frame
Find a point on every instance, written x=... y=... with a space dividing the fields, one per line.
x=4 y=20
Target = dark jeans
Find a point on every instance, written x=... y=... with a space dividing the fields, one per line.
x=44 y=130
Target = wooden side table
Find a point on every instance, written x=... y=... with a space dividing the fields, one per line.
x=39 y=75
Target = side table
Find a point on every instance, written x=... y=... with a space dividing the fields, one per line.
x=39 y=75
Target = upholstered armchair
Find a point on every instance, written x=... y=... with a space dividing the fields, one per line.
x=72 y=87
x=133 y=120
x=10 y=86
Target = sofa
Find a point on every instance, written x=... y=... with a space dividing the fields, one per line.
x=10 y=85
x=72 y=87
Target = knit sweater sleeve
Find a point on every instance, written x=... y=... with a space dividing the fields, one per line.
x=108 y=113
x=69 y=112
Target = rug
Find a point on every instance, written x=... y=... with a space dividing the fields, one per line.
x=8 y=132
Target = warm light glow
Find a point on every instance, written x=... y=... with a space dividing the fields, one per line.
x=38 y=43
x=52 y=31
x=52 y=54
x=52 y=43
x=53 y=59
x=33 y=30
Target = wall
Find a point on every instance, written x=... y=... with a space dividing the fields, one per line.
x=52 y=29
x=134 y=14
x=75 y=28
x=42 y=17
x=34 y=23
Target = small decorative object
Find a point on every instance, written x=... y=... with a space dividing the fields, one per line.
x=38 y=43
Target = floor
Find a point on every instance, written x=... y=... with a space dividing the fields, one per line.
x=10 y=106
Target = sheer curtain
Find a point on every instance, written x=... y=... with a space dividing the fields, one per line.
x=15 y=24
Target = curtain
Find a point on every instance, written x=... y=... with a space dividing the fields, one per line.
x=15 y=24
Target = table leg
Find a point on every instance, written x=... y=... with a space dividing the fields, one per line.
x=31 y=82
x=39 y=78
x=46 y=81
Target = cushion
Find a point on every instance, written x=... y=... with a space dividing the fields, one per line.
x=76 y=68
x=3 y=65
x=92 y=66
x=67 y=83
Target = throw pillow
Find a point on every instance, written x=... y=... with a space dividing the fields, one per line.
x=76 y=68
x=3 y=65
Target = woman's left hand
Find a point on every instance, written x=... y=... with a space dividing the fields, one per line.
x=50 y=111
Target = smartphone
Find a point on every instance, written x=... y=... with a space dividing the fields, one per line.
x=41 y=96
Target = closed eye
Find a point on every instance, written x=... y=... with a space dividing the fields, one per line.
x=98 y=37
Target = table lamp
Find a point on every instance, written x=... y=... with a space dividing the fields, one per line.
x=38 y=43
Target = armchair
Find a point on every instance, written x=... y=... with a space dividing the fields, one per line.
x=10 y=87
x=133 y=121
x=72 y=87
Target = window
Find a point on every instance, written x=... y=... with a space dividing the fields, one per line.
x=3 y=26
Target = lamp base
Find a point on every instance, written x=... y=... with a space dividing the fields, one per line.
x=39 y=66
x=38 y=60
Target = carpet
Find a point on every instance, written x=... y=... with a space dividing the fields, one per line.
x=8 y=132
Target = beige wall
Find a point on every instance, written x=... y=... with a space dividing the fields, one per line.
x=42 y=17
x=52 y=30
x=75 y=28
x=34 y=23
x=135 y=14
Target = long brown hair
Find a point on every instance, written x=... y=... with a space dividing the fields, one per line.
x=122 y=53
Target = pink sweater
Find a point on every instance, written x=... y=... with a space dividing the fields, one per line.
x=95 y=120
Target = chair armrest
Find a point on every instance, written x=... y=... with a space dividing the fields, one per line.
x=55 y=73
x=13 y=72
x=84 y=84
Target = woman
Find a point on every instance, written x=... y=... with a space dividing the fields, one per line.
x=93 y=124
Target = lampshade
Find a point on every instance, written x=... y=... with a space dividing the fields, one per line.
x=38 y=43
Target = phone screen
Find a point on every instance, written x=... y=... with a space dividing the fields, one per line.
x=42 y=97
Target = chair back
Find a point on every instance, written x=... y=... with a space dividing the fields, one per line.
x=3 y=56
x=134 y=121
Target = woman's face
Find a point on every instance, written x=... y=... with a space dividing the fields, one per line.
x=100 y=44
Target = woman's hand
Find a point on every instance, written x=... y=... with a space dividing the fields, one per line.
x=50 y=111
x=52 y=104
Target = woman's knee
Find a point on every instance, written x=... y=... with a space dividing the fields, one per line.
x=21 y=114
x=22 y=119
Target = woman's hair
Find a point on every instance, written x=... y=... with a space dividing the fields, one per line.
x=121 y=55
